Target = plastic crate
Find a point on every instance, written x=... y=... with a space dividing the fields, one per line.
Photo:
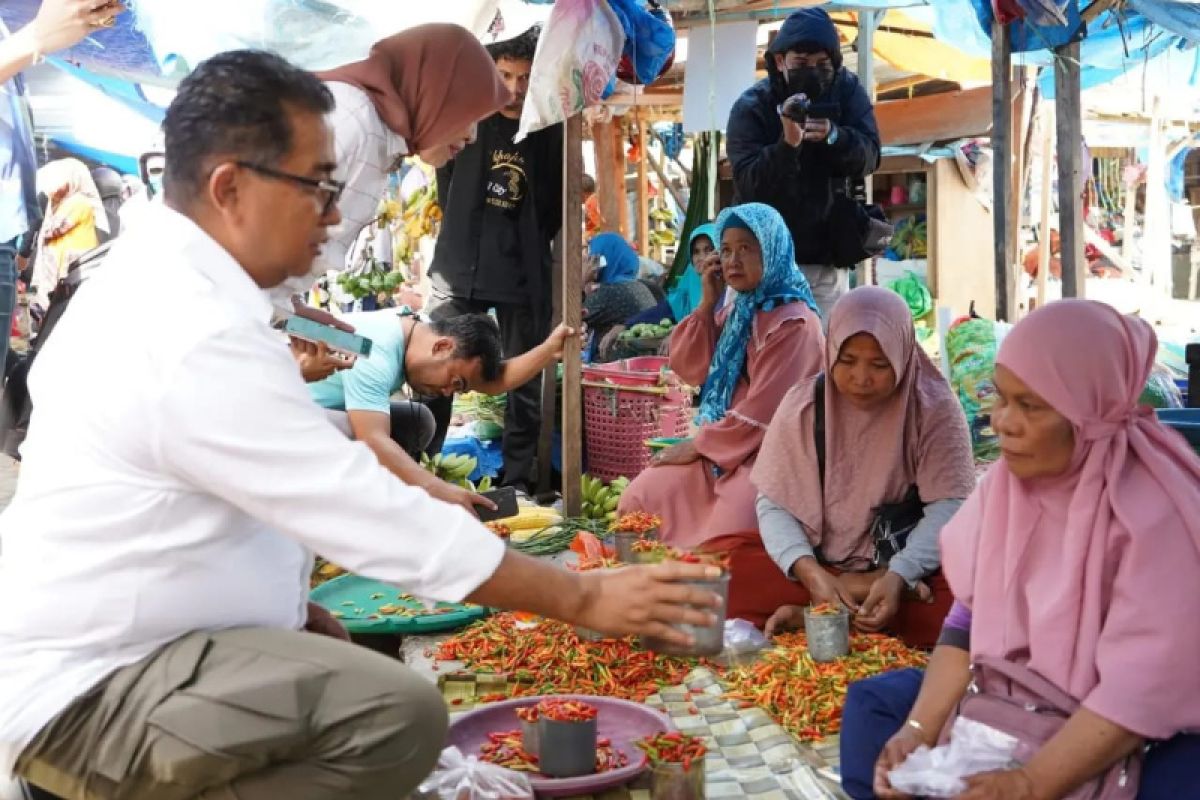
x=1184 y=420
x=624 y=404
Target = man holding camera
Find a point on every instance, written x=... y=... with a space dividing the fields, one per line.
x=798 y=138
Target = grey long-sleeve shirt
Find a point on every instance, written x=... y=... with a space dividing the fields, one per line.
x=786 y=540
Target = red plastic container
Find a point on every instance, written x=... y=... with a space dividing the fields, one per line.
x=624 y=404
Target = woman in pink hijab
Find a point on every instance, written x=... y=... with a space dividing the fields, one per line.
x=893 y=432
x=1078 y=558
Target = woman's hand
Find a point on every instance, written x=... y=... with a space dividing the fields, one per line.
x=684 y=452
x=1005 y=784
x=316 y=361
x=895 y=752
x=823 y=587
x=610 y=340
x=64 y=23
x=882 y=603
x=712 y=283
x=785 y=618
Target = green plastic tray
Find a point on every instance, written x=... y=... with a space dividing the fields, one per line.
x=663 y=442
x=356 y=601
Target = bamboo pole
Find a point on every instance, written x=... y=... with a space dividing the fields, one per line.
x=1043 y=276
x=572 y=301
x=643 y=189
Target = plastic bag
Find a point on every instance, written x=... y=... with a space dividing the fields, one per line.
x=459 y=778
x=974 y=748
x=1161 y=390
x=971 y=347
x=915 y=293
x=576 y=60
x=743 y=643
x=649 y=41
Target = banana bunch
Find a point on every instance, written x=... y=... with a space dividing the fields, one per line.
x=456 y=469
x=419 y=218
x=600 y=499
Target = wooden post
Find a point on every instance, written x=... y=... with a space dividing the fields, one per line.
x=572 y=301
x=643 y=189
x=550 y=380
x=1070 y=176
x=1001 y=164
x=610 y=173
x=1156 y=221
x=1047 y=114
x=867 y=20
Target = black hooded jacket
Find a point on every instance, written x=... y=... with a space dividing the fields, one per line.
x=799 y=182
x=464 y=262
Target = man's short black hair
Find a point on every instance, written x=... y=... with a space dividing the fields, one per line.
x=588 y=182
x=235 y=104
x=476 y=336
x=520 y=48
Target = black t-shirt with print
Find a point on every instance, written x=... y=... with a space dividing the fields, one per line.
x=506 y=187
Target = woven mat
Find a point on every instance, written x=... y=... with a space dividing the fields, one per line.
x=749 y=755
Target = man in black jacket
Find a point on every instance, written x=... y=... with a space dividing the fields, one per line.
x=502 y=207
x=794 y=167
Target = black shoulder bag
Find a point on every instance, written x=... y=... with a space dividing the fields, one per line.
x=891 y=523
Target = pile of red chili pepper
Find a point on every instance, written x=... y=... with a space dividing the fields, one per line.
x=650 y=547
x=528 y=714
x=826 y=610
x=806 y=697
x=673 y=748
x=551 y=659
x=560 y=710
x=504 y=748
x=636 y=522
x=711 y=559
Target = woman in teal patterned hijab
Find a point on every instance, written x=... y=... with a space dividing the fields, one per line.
x=747 y=356
x=780 y=282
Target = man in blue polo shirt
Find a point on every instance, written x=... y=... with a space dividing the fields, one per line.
x=434 y=359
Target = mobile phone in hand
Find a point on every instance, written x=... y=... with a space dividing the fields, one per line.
x=505 y=499
x=349 y=343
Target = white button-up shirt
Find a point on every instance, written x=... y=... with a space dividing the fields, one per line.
x=176 y=477
x=366 y=149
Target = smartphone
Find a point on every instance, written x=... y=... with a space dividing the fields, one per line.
x=505 y=499
x=349 y=343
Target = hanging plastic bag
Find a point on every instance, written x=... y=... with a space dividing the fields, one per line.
x=915 y=293
x=576 y=60
x=1161 y=390
x=467 y=778
x=649 y=41
x=974 y=748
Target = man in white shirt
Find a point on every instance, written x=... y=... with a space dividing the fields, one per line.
x=156 y=554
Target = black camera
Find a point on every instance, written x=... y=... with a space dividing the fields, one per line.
x=796 y=108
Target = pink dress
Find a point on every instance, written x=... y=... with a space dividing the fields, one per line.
x=786 y=346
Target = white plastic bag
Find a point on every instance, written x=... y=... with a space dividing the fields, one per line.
x=577 y=56
x=974 y=748
x=459 y=778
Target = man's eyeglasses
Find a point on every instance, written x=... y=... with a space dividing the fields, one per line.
x=330 y=189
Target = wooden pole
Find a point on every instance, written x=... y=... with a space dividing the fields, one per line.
x=1016 y=143
x=643 y=189
x=1069 y=120
x=867 y=21
x=572 y=301
x=1047 y=178
x=1156 y=221
x=610 y=172
x=550 y=379
x=1001 y=163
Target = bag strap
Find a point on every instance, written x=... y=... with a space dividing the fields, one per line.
x=989 y=670
x=819 y=424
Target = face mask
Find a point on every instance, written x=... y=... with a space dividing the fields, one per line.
x=811 y=81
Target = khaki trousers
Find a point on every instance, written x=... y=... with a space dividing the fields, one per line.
x=245 y=714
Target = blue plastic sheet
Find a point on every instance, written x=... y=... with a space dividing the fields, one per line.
x=487 y=453
x=649 y=40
